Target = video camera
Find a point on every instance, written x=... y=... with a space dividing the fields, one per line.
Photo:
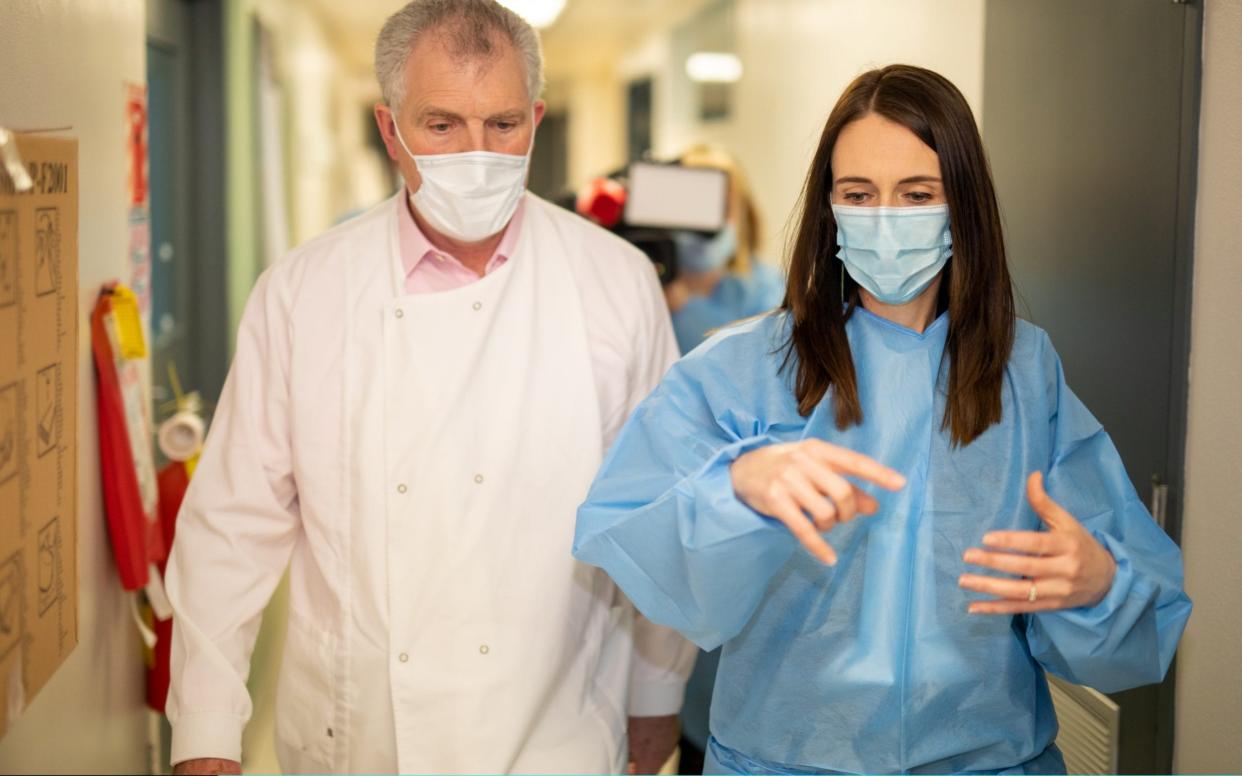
x=660 y=208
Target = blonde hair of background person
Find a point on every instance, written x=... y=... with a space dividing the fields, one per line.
x=707 y=294
x=742 y=209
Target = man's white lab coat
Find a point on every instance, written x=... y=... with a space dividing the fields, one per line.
x=416 y=462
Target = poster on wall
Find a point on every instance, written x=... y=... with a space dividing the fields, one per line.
x=138 y=197
x=38 y=420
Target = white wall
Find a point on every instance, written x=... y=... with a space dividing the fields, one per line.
x=798 y=56
x=595 y=103
x=65 y=62
x=309 y=73
x=311 y=125
x=1209 y=682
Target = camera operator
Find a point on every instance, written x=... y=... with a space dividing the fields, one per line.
x=719 y=278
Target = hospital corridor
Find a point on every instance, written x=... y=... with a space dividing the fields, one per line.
x=620 y=386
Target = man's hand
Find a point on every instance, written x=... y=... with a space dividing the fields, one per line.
x=207 y=765
x=652 y=741
x=1063 y=567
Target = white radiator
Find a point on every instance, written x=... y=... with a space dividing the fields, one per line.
x=1090 y=727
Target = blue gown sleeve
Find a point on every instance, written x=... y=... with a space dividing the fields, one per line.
x=1128 y=639
x=662 y=518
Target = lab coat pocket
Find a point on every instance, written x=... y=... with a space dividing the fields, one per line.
x=306 y=733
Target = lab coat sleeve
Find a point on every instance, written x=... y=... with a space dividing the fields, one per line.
x=1128 y=639
x=662 y=518
x=235 y=534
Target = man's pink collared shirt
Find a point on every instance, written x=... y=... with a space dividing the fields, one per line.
x=429 y=270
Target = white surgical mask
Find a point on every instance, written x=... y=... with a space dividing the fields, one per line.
x=468 y=196
x=894 y=252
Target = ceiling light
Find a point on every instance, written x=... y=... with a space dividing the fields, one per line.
x=539 y=13
x=714 y=67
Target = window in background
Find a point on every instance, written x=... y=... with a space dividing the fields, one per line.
x=708 y=65
x=638 y=119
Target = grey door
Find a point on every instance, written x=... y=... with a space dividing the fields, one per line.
x=168 y=96
x=1090 y=114
x=189 y=319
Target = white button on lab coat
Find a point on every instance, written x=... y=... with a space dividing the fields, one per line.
x=417 y=461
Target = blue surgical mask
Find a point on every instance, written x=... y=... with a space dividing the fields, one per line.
x=696 y=253
x=894 y=252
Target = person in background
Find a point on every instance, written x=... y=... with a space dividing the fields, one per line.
x=884 y=500
x=720 y=279
x=418 y=402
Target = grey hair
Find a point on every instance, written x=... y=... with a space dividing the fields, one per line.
x=470 y=27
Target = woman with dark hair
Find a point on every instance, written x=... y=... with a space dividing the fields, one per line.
x=1000 y=535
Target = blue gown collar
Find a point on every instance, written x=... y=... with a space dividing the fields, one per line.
x=934 y=332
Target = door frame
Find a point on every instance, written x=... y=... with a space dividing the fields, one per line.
x=1183 y=282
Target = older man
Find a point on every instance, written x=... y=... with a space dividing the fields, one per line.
x=419 y=400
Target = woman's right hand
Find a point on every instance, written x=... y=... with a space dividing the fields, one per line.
x=803 y=485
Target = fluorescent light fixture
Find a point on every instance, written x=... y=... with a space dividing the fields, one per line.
x=714 y=67
x=539 y=13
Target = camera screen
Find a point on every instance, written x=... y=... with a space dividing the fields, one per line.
x=675 y=197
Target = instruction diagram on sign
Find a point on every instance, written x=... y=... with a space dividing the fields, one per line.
x=10 y=603
x=8 y=432
x=47 y=250
x=47 y=408
x=39 y=354
x=8 y=257
x=50 y=567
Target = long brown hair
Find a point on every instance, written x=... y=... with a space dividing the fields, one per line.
x=976 y=288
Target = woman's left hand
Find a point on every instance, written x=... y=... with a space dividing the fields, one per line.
x=1065 y=567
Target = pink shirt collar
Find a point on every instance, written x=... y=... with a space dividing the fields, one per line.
x=428 y=269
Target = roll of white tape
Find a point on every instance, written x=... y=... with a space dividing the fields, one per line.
x=181 y=436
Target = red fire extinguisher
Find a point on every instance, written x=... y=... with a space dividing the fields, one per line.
x=180 y=439
x=127 y=464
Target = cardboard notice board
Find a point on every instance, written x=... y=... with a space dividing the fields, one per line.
x=38 y=424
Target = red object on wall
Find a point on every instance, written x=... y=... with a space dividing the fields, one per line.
x=173 y=479
x=140 y=505
x=136 y=117
x=133 y=544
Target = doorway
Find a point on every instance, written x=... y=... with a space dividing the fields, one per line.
x=1090 y=120
x=189 y=330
